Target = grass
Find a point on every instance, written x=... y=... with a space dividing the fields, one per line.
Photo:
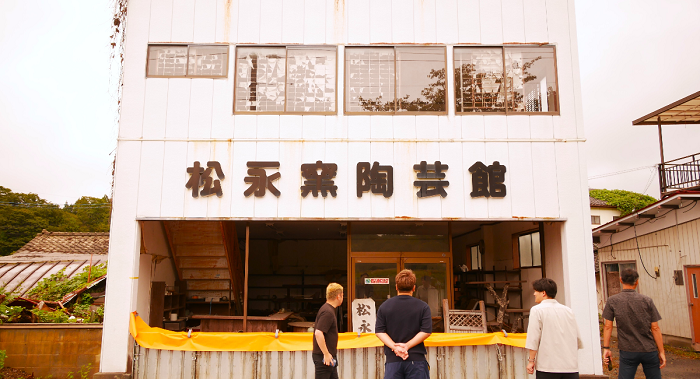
x=682 y=352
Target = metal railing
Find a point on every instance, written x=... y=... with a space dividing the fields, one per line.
x=680 y=174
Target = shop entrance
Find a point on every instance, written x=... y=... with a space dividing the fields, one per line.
x=374 y=277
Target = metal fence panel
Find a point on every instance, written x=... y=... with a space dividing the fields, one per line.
x=449 y=362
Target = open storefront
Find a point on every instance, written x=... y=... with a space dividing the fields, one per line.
x=230 y=276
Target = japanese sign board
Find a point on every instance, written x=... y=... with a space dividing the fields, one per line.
x=487 y=181
x=376 y=280
x=364 y=315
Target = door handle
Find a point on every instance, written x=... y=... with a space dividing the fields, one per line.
x=691 y=304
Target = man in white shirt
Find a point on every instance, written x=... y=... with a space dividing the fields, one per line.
x=553 y=338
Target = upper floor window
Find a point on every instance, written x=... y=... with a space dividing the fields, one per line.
x=510 y=80
x=395 y=80
x=595 y=220
x=285 y=79
x=187 y=61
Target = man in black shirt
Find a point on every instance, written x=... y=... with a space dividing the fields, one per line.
x=403 y=323
x=638 y=333
x=325 y=352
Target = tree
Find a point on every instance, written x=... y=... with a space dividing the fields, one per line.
x=23 y=215
x=92 y=213
x=625 y=201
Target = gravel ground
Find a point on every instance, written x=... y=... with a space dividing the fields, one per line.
x=680 y=364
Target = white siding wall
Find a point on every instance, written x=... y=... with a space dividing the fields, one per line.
x=167 y=124
x=606 y=215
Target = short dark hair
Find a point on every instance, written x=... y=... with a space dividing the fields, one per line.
x=547 y=286
x=405 y=280
x=629 y=276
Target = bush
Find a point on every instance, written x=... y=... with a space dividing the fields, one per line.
x=56 y=317
x=58 y=285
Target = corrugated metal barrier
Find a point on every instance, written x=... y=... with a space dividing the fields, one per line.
x=453 y=362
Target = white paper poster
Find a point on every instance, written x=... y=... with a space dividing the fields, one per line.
x=364 y=315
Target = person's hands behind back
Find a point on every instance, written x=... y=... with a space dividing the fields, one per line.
x=401 y=351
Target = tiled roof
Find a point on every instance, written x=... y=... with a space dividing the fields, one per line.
x=597 y=203
x=66 y=243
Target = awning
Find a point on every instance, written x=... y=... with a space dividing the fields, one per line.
x=683 y=112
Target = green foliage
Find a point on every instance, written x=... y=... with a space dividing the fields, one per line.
x=92 y=213
x=58 y=285
x=23 y=215
x=56 y=317
x=88 y=315
x=84 y=371
x=9 y=314
x=625 y=201
x=3 y=355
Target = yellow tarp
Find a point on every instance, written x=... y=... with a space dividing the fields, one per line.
x=156 y=338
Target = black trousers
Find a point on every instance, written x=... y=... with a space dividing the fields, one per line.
x=556 y=375
x=323 y=371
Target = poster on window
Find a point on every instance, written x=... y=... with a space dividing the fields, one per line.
x=364 y=315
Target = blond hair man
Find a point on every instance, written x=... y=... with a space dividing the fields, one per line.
x=325 y=351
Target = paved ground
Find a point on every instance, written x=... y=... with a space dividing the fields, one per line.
x=679 y=364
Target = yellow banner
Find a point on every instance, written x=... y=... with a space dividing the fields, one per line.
x=156 y=338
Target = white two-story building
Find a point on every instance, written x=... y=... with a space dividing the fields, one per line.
x=267 y=148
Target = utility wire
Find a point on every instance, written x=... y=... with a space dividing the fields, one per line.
x=620 y=172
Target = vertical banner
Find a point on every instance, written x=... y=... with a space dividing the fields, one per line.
x=364 y=315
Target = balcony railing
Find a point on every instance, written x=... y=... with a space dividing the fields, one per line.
x=680 y=174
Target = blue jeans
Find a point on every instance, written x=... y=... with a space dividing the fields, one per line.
x=407 y=370
x=629 y=361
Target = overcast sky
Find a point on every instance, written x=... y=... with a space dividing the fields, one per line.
x=57 y=103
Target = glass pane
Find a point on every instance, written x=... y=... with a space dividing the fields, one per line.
x=431 y=280
x=377 y=292
x=525 y=248
x=369 y=74
x=167 y=60
x=612 y=267
x=530 y=80
x=475 y=258
x=208 y=61
x=420 y=79
x=536 y=252
x=695 y=287
x=260 y=79
x=310 y=80
x=479 y=80
x=399 y=242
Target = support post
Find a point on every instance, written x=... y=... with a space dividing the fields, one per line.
x=662 y=171
x=245 y=284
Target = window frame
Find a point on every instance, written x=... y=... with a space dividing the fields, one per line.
x=395 y=112
x=604 y=276
x=187 y=64
x=593 y=218
x=517 y=241
x=503 y=55
x=286 y=48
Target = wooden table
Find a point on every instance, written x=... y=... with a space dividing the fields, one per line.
x=213 y=323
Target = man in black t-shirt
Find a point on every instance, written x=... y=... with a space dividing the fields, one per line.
x=638 y=333
x=403 y=323
x=325 y=352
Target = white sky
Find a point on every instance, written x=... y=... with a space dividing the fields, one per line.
x=57 y=104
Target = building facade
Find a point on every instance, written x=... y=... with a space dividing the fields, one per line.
x=326 y=140
x=661 y=243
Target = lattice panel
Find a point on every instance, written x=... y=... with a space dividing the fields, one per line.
x=466 y=319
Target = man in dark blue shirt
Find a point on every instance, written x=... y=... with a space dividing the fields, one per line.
x=403 y=323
